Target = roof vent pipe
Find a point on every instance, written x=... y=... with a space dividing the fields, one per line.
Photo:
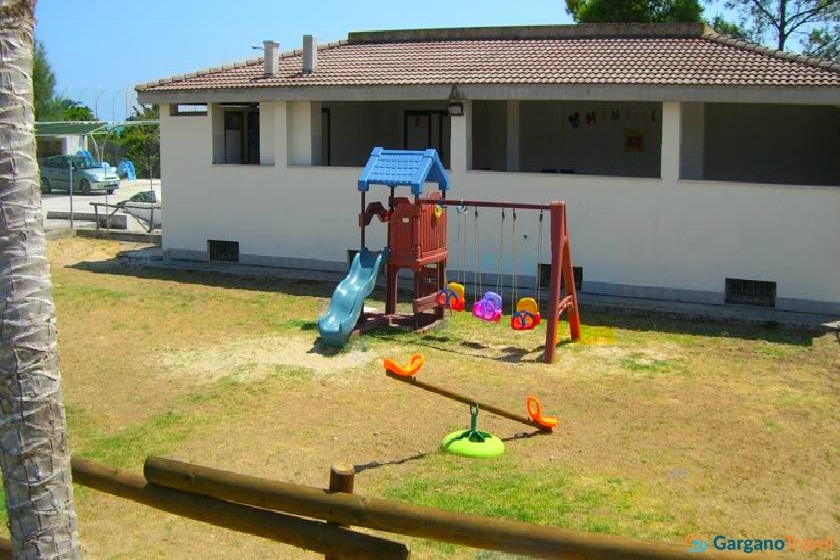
x=271 y=58
x=310 y=54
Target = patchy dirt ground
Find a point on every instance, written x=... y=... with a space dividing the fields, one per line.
x=667 y=428
x=255 y=358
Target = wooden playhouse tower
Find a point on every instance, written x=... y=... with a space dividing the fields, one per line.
x=416 y=230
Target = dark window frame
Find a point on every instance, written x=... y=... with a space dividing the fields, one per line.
x=757 y=293
x=544 y=275
x=175 y=111
x=219 y=250
x=427 y=113
x=245 y=113
x=326 y=159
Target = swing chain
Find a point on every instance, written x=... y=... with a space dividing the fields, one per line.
x=463 y=218
x=477 y=262
x=513 y=279
x=499 y=255
x=539 y=255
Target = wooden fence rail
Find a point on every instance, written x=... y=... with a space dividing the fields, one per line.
x=470 y=530
x=320 y=537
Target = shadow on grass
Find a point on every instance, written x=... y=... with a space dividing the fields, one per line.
x=418 y=456
x=455 y=345
x=769 y=332
x=294 y=287
x=632 y=321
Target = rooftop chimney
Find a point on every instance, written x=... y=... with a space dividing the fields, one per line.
x=271 y=58
x=310 y=54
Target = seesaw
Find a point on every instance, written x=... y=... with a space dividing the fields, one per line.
x=407 y=374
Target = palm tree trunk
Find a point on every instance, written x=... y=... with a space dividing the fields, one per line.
x=33 y=438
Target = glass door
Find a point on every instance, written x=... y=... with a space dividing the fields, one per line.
x=427 y=129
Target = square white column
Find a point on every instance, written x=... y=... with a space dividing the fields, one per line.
x=267 y=125
x=460 y=140
x=671 y=123
x=299 y=127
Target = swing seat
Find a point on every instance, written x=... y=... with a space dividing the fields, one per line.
x=488 y=308
x=535 y=412
x=451 y=297
x=415 y=362
x=527 y=315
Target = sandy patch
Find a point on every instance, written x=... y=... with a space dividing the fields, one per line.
x=255 y=358
x=651 y=353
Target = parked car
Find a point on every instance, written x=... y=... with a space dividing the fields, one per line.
x=89 y=176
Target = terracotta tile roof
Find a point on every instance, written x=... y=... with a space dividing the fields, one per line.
x=423 y=58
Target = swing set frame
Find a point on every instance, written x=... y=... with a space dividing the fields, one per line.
x=562 y=273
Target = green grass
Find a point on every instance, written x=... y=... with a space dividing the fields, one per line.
x=637 y=361
x=557 y=496
x=160 y=434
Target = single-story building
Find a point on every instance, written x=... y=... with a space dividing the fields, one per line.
x=63 y=138
x=695 y=167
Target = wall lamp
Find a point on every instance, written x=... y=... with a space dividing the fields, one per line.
x=456 y=109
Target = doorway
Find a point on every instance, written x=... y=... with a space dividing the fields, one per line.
x=427 y=129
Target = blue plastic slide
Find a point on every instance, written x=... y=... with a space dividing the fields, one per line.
x=336 y=325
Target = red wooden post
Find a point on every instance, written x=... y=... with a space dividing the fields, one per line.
x=561 y=267
x=391 y=290
x=557 y=213
x=571 y=289
x=441 y=282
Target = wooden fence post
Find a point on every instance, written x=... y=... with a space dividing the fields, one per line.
x=342 y=477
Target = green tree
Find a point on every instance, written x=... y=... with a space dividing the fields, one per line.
x=725 y=27
x=34 y=454
x=43 y=82
x=816 y=23
x=634 y=11
x=824 y=42
x=141 y=143
x=78 y=112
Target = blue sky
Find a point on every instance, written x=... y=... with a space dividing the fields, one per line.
x=99 y=49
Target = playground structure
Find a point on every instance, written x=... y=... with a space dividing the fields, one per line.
x=417 y=241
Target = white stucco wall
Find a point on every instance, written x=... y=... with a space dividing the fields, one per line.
x=662 y=237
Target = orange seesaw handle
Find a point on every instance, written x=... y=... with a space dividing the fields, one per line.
x=415 y=362
x=535 y=412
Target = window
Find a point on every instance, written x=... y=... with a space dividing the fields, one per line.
x=764 y=143
x=240 y=134
x=427 y=129
x=544 y=271
x=188 y=110
x=620 y=139
x=225 y=251
x=325 y=137
x=751 y=292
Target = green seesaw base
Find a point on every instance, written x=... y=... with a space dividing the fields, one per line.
x=458 y=445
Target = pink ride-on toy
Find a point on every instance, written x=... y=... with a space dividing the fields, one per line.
x=488 y=308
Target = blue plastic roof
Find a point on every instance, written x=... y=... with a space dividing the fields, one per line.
x=396 y=168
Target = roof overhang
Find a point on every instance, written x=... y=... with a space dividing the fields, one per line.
x=83 y=128
x=524 y=92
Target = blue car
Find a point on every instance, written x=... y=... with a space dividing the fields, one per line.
x=88 y=176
